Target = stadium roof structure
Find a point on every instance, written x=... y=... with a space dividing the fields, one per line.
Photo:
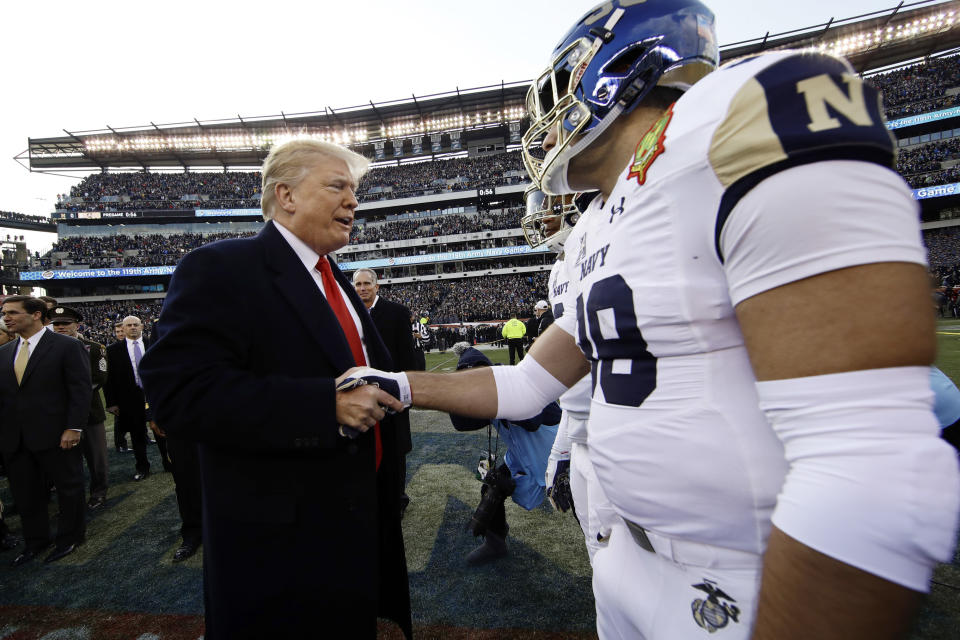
x=420 y=127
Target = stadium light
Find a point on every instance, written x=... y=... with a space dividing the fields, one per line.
x=920 y=27
x=258 y=141
x=453 y=122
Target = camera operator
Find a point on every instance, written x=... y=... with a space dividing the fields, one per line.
x=520 y=476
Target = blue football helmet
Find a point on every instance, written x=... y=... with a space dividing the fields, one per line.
x=604 y=67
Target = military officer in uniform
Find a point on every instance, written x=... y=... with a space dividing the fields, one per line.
x=66 y=321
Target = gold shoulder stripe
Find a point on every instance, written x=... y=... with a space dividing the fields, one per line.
x=745 y=140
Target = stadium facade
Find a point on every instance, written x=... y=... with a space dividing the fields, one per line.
x=441 y=206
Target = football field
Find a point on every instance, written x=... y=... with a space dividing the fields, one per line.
x=122 y=584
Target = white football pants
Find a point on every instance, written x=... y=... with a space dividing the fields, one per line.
x=680 y=591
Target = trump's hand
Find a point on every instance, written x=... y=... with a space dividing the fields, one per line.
x=363 y=406
x=69 y=439
x=157 y=430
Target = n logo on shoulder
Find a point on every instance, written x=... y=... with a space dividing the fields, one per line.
x=822 y=90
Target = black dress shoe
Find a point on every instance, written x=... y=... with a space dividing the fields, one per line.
x=141 y=475
x=96 y=503
x=9 y=541
x=26 y=556
x=186 y=550
x=60 y=552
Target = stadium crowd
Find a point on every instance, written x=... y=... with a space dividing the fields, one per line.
x=927 y=157
x=241 y=190
x=471 y=299
x=99 y=318
x=152 y=249
x=442 y=225
x=442 y=176
x=919 y=88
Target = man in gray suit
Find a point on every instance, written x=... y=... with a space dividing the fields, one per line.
x=45 y=390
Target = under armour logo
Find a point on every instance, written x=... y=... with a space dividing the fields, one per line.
x=616 y=210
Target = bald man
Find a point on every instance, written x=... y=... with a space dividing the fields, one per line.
x=124 y=392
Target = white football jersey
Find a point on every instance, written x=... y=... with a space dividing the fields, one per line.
x=576 y=399
x=678 y=441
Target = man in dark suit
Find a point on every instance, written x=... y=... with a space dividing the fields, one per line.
x=543 y=317
x=45 y=391
x=119 y=437
x=392 y=320
x=301 y=523
x=65 y=321
x=124 y=394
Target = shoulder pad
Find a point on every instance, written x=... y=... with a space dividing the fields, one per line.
x=803 y=108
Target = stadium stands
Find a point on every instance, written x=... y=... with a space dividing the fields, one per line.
x=923 y=162
x=919 y=88
x=241 y=190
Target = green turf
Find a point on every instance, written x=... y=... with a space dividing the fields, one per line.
x=122 y=583
x=948 y=347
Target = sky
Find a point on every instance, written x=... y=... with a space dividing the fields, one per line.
x=85 y=64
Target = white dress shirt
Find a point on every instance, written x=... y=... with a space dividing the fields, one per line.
x=309 y=257
x=133 y=360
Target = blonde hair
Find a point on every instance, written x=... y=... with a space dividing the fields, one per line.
x=290 y=162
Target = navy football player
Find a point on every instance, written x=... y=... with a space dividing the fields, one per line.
x=770 y=450
x=571 y=480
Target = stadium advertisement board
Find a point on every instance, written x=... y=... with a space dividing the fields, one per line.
x=937 y=191
x=218 y=213
x=137 y=272
x=921 y=118
x=474 y=254
x=154 y=213
x=115 y=272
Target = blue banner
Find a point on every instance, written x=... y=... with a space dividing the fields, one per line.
x=114 y=272
x=937 y=191
x=210 y=213
x=920 y=118
x=474 y=254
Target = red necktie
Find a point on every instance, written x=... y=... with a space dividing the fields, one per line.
x=339 y=306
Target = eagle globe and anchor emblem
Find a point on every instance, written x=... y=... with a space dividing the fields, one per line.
x=711 y=613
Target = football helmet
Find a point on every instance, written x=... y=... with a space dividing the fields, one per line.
x=549 y=219
x=604 y=67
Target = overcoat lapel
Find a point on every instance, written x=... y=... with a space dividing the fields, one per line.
x=295 y=284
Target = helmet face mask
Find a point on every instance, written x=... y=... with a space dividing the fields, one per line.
x=604 y=67
x=549 y=219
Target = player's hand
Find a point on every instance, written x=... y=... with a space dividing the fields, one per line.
x=345 y=375
x=395 y=384
x=558 y=483
x=115 y=410
x=69 y=439
x=363 y=406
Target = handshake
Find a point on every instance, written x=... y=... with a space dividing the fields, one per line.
x=395 y=384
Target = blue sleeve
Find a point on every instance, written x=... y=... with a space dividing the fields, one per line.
x=946 y=401
x=548 y=417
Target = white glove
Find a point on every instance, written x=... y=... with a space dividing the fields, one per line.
x=394 y=383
